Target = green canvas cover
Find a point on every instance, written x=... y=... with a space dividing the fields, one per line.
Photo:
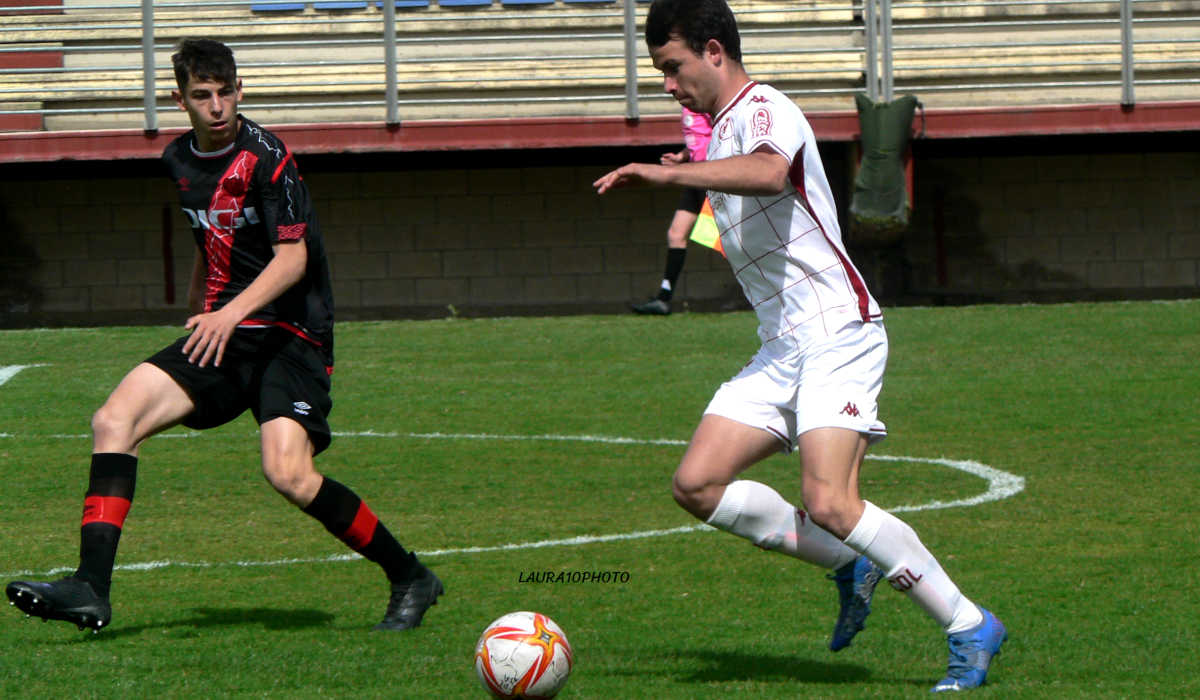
x=879 y=208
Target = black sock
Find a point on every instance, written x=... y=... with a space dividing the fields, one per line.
x=675 y=258
x=109 y=495
x=347 y=518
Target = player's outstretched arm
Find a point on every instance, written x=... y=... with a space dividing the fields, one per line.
x=633 y=174
x=754 y=174
x=212 y=331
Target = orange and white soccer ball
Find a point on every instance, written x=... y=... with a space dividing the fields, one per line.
x=523 y=655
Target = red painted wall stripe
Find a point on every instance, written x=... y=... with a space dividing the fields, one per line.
x=572 y=132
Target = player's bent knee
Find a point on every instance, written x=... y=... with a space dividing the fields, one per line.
x=831 y=514
x=699 y=499
x=112 y=426
x=295 y=480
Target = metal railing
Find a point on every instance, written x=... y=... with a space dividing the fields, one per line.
x=89 y=63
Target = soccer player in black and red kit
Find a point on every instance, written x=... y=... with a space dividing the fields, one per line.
x=261 y=339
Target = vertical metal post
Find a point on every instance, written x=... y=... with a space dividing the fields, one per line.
x=389 y=62
x=885 y=53
x=870 y=57
x=631 y=78
x=149 y=99
x=1127 y=99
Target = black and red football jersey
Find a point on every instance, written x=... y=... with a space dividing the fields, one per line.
x=240 y=201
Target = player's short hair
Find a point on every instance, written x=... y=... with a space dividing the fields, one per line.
x=694 y=21
x=206 y=59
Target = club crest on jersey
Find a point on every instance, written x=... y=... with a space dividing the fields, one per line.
x=234 y=184
x=761 y=122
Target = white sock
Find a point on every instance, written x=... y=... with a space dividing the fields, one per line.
x=894 y=547
x=758 y=513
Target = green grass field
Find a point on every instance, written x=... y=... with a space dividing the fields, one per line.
x=460 y=435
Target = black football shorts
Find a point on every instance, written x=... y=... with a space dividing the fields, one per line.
x=268 y=370
x=691 y=199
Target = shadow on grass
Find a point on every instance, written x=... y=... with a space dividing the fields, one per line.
x=723 y=666
x=267 y=618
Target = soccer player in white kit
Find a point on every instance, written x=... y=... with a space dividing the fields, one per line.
x=812 y=386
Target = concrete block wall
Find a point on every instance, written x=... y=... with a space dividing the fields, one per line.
x=495 y=240
x=1057 y=226
x=486 y=236
x=414 y=243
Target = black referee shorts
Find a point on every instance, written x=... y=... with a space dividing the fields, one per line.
x=270 y=371
x=692 y=199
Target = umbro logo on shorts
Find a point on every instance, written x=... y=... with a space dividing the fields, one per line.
x=301 y=408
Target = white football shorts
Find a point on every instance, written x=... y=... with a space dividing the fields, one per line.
x=834 y=382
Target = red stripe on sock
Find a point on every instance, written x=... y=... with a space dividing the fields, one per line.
x=105 y=509
x=360 y=532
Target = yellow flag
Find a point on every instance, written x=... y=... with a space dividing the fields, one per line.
x=704 y=231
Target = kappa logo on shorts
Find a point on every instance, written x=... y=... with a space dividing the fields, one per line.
x=301 y=408
x=850 y=410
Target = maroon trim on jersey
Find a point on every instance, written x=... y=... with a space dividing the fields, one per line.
x=287 y=158
x=224 y=210
x=796 y=175
x=291 y=233
x=749 y=86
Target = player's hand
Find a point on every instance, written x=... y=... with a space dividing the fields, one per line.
x=210 y=334
x=674 y=158
x=628 y=175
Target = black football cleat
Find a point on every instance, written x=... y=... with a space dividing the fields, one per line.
x=654 y=307
x=410 y=600
x=69 y=599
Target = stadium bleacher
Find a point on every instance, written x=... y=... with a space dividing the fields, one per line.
x=79 y=67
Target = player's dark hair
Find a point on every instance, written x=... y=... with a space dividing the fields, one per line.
x=205 y=59
x=694 y=21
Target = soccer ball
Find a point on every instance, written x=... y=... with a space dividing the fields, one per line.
x=523 y=655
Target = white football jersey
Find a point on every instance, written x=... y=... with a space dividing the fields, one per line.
x=786 y=250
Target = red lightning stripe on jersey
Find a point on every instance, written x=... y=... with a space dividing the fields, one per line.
x=224 y=211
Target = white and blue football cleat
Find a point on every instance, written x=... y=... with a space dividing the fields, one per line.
x=856 y=585
x=971 y=653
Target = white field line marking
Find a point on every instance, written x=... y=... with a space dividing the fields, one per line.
x=7 y=372
x=1001 y=485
